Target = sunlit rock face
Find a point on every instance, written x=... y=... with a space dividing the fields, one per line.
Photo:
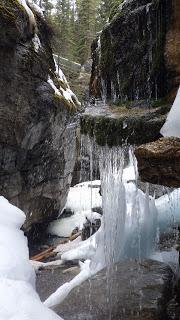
x=137 y=55
x=37 y=123
x=159 y=162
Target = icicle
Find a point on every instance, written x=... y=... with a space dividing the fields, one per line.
x=172 y=124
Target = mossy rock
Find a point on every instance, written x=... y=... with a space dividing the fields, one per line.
x=133 y=126
x=14 y=23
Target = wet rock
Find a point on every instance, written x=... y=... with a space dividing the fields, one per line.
x=75 y=231
x=89 y=228
x=37 y=140
x=119 y=126
x=138 y=55
x=98 y=209
x=159 y=162
x=131 y=291
x=67 y=212
x=173 y=310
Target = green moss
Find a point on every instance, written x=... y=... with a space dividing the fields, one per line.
x=11 y=7
x=158 y=103
x=6 y=14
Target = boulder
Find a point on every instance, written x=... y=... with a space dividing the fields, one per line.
x=159 y=162
x=37 y=123
x=128 y=291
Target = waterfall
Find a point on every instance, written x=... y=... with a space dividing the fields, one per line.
x=129 y=222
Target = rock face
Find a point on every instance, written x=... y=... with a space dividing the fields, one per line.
x=132 y=291
x=37 y=140
x=138 y=53
x=159 y=162
x=172 y=48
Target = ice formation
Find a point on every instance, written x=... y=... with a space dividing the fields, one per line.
x=128 y=225
x=18 y=298
x=171 y=127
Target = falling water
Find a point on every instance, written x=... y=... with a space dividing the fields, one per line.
x=129 y=222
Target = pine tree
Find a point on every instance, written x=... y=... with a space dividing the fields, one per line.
x=86 y=27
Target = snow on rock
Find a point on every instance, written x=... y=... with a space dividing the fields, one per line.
x=36 y=42
x=63 y=227
x=18 y=298
x=171 y=127
x=29 y=12
x=66 y=93
x=84 y=196
x=37 y=265
x=36 y=8
x=81 y=199
x=63 y=90
x=62 y=248
x=60 y=74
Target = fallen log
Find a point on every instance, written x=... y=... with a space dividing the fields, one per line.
x=44 y=254
x=48 y=253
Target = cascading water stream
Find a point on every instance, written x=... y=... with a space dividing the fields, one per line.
x=129 y=219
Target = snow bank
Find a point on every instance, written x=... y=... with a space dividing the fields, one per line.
x=171 y=127
x=81 y=199
x=18 y=298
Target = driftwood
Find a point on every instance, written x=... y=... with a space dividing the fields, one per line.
x=44 y=254
x=48 y=253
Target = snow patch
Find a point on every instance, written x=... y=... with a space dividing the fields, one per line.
x=36 y=42
x=65 y=92
x=36 y=8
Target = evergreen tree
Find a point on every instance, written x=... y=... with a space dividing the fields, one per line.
x=86 y=27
